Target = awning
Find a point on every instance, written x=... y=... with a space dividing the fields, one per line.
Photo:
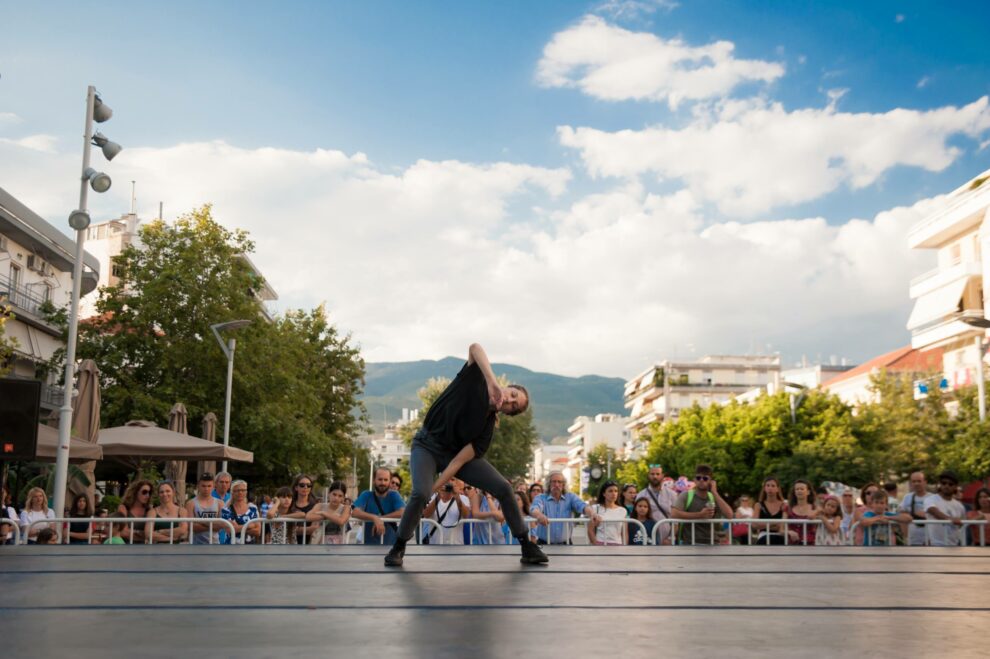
x=79 y=451
x=31 y=342
x=135 y=443
x=937 y=304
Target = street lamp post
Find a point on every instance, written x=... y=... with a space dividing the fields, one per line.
x=796 y=400
x=228 y=350
x=79 y=220
x=981 y=323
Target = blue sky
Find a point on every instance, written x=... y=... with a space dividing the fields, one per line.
x=458 y=82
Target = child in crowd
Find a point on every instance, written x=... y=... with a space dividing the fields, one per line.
x=116 y=529
x=878 y=523
x=280 y=506
x=641 y=512
x=47 y=537
x=829 y=533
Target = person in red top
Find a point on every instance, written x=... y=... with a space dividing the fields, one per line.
x=454 y=438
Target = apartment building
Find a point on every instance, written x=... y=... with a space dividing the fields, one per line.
x=950 y=299
x=588 y=432
x=547 y=458
x=388 y=449
x=661 y=391
x=36 y=262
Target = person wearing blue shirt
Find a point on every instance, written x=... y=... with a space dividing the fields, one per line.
x=376 y=504
x=555 y=504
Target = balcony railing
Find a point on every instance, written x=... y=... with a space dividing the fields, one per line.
x=20 y=296
x=953 y=206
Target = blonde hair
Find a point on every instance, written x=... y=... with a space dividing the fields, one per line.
x=29 y=503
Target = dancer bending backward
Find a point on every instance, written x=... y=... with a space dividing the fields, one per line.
x=456 y=433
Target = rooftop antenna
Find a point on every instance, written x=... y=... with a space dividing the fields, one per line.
x=133 y=196
x=160 y=203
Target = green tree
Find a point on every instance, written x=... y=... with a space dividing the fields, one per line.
x=907 y=431
x=967 y=450
x=7 y=345
x=296 y=382
x=605 y=459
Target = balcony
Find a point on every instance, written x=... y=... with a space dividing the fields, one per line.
x=944 y=331
x=939 y=277
x=21 y=297
x=963 y=212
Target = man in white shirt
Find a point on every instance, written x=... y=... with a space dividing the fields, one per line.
x=944 y=506
x=916 y=504
x=446 y=508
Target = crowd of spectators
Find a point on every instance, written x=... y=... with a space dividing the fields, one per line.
x=666 y=511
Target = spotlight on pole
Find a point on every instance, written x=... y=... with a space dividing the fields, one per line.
x=101 y=111
x=79 y=220
x=110 y=149
x=99 y=181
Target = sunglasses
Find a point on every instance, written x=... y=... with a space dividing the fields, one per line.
x=144 y=492
x=702 y=478
x=305 y=485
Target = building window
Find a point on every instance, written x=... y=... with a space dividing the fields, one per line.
x=115 y=268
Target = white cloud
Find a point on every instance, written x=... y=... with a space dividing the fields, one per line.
x=633 y=9
x=420 y=262
x=43 y=143
x=923 y=82
x=614 y=64
x=752 y=156
x=8 y=118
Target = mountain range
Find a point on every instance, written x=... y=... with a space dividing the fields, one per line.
x=557 y=399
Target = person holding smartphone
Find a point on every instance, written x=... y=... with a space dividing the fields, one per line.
x=456 y=433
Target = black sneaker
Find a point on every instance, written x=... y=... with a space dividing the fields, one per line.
x=532 y=554
x=394 y=556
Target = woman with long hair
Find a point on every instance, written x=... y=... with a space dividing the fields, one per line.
x=279 y=509
x=136 y=503
x=36 y=509
x=336 y=513
x=770 y=505
x=162 y=531
x=302 y=508
x=801 y=505
x=79 y=532
x=980 y=533
x=608 y=531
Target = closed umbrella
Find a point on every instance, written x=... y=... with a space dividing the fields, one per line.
x=210 y=435
x=86 y=424
x=175 y=470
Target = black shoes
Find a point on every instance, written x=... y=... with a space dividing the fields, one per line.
x=532 y=554
x=395 y=555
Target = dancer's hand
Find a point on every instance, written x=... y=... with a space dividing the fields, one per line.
x=495 y=394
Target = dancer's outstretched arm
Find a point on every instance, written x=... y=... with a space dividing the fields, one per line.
x=476 y=355
x=464 y=456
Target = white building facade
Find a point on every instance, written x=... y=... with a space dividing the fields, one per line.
x=586 y=433
x=954 y=292
x=36 y=262
x=547 y=458
x=388 y=449
x=660 y=392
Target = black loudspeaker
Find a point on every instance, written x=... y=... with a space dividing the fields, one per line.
x=20 y=405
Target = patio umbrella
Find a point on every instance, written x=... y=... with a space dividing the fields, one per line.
x=143 y=440
x=210 y=435
x=175 y=470
x=79 y=451
x=86 y=424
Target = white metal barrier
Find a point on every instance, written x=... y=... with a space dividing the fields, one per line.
x=767 y=530
x=573 y=521
x=960 y=537
x=14 y=529
x=291 y=534
x=103 y=527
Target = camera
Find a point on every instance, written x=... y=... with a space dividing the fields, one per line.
x=448 y=488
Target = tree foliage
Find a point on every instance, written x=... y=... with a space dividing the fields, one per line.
x=296 y=379
x=825 y=441
x=7 y=344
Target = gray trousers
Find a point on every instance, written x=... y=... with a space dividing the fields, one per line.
x=478 y=473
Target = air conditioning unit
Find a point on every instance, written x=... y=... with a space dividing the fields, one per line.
x=40 y=265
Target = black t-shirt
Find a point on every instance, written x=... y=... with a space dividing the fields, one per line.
x=461 y=415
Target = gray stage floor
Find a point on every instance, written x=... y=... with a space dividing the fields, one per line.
x=480 y=602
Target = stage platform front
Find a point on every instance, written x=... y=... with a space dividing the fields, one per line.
x=620 y=602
